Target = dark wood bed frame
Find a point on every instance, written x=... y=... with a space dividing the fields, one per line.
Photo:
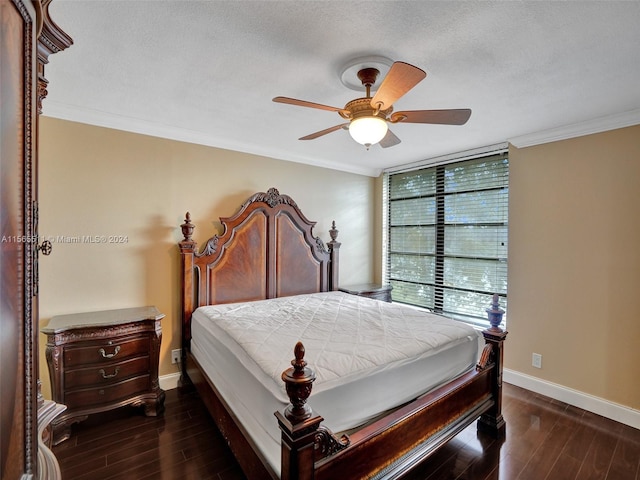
x=267 y=250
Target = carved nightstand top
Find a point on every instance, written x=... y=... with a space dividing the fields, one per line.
x=365 y=288
x=104 y=318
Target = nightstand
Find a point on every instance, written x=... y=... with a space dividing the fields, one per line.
x=370 y=290
x=99 y=361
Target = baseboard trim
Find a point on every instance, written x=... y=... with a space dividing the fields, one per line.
x=170 y=381
x=614 y=411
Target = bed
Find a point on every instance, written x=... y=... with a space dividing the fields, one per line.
x=266 y=291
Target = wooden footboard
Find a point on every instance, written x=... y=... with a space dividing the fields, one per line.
x=394 y=444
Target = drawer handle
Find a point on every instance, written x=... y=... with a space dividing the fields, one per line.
x=105 y=376
x=109 y=355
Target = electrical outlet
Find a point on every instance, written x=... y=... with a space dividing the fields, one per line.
x=175 y=356
x=536 y=360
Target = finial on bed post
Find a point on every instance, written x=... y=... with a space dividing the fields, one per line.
x=187 y=228
x=298 y=424
x=334 y=250
x=495 y=314
x=333 y=231
x=298 y=381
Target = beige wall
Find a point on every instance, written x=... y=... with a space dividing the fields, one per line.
x=574 y=263
x=97 y=181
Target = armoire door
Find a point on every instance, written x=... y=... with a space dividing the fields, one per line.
x=18 y=350
x=27 y=37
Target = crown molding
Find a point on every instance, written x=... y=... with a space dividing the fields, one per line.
x=602 y=124
x=118 y=122
x=98 y=118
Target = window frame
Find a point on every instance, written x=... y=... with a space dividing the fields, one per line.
x=439 y=284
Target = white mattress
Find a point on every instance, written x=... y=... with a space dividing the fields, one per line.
x=384 y=353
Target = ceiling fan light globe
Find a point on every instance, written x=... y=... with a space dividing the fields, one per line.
x=368 y=130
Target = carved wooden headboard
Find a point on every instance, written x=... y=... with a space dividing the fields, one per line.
x=266 y=250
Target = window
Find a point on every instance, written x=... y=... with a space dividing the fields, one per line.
x=446 y=227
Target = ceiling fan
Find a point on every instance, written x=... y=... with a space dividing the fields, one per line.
x=368 y=117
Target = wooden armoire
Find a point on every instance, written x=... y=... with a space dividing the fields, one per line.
x=27 y=37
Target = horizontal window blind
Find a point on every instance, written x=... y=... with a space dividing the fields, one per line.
x=446 y=236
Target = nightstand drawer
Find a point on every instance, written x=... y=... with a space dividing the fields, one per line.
x=106 y=374
x=105 y=352
x=107 y=394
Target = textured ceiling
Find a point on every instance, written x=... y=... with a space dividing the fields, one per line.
x=206 y=71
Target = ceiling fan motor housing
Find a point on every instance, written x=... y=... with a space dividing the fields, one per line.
x=361 y=107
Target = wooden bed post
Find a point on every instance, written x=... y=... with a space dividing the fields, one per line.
x=492 y=421
x=187 y=250
x=334 y=249
x=298 y=424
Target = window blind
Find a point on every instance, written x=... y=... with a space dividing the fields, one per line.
x=446 y=236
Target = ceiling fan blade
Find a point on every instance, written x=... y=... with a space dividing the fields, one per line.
x=444 y=117
x=401 y=78
x=324 y=132
x=389 y=140
x=304 y=103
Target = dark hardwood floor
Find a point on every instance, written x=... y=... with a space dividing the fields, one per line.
x=546 y=439
x=184 y=443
